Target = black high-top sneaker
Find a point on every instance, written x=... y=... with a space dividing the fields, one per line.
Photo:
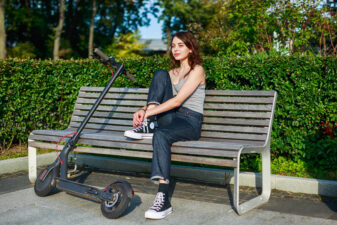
x=161 y=207
x=145 y=130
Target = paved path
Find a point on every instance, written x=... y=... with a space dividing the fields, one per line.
x=193 y=203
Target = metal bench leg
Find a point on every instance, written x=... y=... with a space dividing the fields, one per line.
x=266 y=186
x=32 y=171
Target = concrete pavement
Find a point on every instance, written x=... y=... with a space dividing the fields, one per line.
x=193 y=203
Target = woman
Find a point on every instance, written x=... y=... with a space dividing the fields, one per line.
x=176 y=98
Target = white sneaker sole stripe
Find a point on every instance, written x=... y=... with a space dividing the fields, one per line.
x=151 y=214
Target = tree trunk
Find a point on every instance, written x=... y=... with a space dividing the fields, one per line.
x=91 y=31
x=58 y=31
x=168 y=36
x=2 y=30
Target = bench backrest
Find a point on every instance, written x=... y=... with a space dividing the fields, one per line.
x=243 y=117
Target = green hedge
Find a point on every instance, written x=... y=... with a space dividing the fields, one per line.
x=41 y=94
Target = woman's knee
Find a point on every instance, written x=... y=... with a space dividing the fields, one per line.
x=161 y=74
x=160 y=137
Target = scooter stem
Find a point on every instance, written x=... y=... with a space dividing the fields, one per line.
x=71 y=145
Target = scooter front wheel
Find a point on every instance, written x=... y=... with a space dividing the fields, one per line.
x=44 y=187
x=114 y=209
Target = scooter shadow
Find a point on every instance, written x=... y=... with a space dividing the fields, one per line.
x=134 y=203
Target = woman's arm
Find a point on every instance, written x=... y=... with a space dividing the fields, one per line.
x=195 y=78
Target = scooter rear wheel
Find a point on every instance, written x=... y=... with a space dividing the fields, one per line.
x=114 y=209
x=43 y=188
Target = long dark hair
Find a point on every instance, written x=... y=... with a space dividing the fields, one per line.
x=191 y=42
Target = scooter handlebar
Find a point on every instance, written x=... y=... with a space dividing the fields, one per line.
x=105 y=57
x=101 y=54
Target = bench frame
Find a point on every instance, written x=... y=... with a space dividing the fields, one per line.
x=242 y=149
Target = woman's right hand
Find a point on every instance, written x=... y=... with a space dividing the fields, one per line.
x=138 y=118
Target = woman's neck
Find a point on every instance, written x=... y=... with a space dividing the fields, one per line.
x=184 y=65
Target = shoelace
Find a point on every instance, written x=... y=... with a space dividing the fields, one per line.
x=142 y=126
x=158 y=202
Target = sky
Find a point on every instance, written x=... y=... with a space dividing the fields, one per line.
x=153 y=31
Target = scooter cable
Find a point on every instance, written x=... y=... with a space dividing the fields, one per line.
x=57 y=145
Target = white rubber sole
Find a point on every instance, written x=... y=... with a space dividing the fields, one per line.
x=154 y=215
x=133 y=135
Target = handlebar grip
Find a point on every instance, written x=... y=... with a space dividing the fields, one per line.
x=130 y=77
x=101 y=54
x=105 y=57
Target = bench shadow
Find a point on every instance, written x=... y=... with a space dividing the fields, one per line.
x=110 y=115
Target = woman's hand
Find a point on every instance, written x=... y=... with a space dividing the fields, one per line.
x=138 y=118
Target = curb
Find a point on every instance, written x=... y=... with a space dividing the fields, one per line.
x=251 y=179
x=17 y=164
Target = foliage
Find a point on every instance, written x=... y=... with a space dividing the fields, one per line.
x=37 y=94
x=22 y=50
x=126 y=45
x=247 y=27
x=177 y=15
x=33 y=21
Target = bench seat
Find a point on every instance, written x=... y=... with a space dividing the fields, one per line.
x=235 y=123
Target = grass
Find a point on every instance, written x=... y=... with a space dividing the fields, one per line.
x=19 y=151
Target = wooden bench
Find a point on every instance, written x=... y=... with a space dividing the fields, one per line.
x=235 y=123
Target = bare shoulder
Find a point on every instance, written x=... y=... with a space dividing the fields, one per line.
x=198 y=71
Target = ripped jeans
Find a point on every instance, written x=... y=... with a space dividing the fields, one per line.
x=180 y=124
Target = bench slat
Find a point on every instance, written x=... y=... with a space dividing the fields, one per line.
x=112 y=102
x=105 y=114
x=231 y=121
x=249 y=100
x=207 y=120
x=104 y=121
x=203 y=133
x=123 y=96
x=239 y=93
x=104 y=127
x=238 y=107
x=234 y=136
x=137 y=146
x=118 y=136
x=208 y=92
x=240 y=129
x=174 y=157
x=232 y=114
x=126 y=96
x=255 y=115
x=116 y=90
x=108 y=108
x=206 y=106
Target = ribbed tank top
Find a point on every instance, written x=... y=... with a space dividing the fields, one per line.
x=196 y=100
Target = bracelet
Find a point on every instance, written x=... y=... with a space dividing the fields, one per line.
x=143 y=109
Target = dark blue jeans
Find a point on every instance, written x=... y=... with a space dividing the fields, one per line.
x=180 y=124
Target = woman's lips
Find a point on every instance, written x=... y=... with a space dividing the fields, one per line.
x=176 y=54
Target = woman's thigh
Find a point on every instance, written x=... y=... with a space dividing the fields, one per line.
x=179 y=130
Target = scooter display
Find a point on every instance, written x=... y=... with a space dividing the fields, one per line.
x=116 y=197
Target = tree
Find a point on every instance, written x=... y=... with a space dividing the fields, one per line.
x=91 y=30
x=32 y=22
x=126 y=45
x=178 y=15
x=58 y=31
x=2 y=30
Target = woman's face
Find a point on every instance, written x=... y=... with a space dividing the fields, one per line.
x=179 y=49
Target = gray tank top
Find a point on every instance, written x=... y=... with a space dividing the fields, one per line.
x=196 y=100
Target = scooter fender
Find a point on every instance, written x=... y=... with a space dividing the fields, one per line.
x=128 y=187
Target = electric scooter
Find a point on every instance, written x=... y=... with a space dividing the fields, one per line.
x=115 y=198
